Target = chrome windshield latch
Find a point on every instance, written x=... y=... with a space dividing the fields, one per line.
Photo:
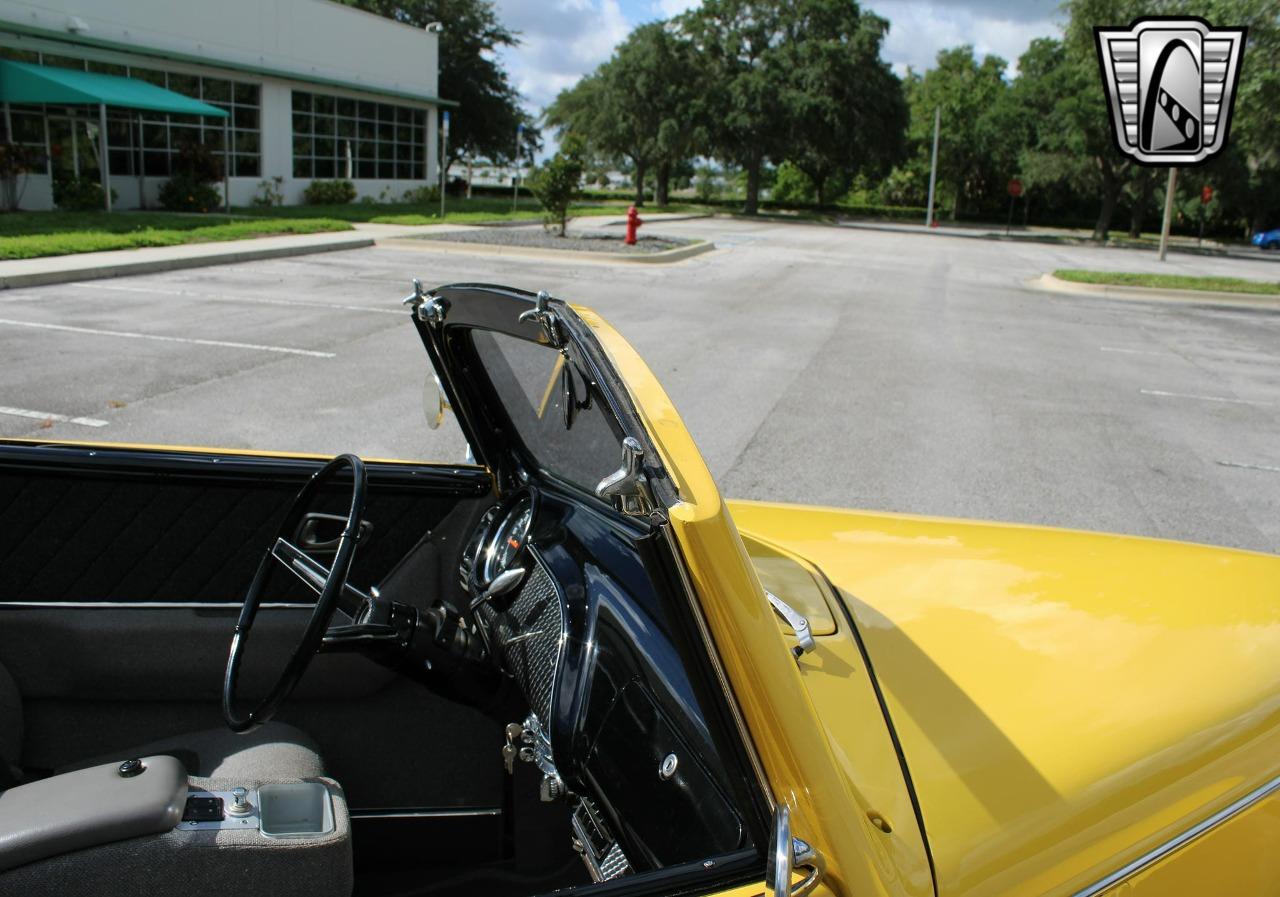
x=542 y=315
x=797 y=621
x=426 y=307
x=627 y=488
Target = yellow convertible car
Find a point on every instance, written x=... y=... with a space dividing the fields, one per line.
x=574 y=665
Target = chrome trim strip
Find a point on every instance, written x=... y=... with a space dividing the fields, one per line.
x=423 y=813
x=739 y=721
x=155 y=605
x=1191 y=834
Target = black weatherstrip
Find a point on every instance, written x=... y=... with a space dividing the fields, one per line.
x=888 y=721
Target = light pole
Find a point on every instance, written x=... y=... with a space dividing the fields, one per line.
x=444 y=154
x=515 y=180
x=1168 y=212
x=933 y=166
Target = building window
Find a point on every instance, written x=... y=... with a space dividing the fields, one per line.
x=164 y=135
x=337 y=137
x=151 y=144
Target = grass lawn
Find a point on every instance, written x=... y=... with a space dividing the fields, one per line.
x=25 y=235
x=1170 y=281
x=457 y=211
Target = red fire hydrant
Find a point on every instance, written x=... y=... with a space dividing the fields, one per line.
x=633 y=224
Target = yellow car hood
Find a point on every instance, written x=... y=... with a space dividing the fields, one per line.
x=1065 y=701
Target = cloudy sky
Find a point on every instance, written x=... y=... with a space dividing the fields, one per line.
x=564 y=39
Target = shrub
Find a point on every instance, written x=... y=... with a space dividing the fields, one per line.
x=183 y=193
x=196 y=168
x=329 y=193
x=422 y=196
x=792 y=186
x=270 y=193
x=78 y=194
x=556 y=182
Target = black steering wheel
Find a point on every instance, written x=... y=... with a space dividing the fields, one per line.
x=329 y=583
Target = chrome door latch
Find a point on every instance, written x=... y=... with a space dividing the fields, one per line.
x=789 y=854
x=797 y=621
x=627 y=488
x=542 y=315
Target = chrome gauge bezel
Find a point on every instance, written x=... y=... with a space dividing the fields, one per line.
x=490 y=561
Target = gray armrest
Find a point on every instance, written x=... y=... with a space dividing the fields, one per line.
x=89 y=807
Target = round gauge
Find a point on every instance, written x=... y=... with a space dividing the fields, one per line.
x=508 y=538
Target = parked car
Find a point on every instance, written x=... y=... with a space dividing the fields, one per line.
x=573 y=663
x=1267 y=239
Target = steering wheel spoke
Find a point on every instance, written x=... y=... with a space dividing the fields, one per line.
x=329 y=583
x=315 y=574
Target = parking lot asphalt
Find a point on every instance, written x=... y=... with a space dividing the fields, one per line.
x=859 y=368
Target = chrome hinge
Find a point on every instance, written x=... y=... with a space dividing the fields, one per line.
x=797 y=621
x=547 y=319
x=789 y=854
x=627 y=488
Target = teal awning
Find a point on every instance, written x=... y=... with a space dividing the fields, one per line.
x=21 y=82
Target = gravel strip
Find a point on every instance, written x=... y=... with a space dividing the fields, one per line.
x=540 y=239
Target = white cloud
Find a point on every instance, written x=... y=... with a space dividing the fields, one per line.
x=559 y=43
x=668 y=8
x=918 y=29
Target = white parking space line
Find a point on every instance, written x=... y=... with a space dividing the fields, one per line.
x=1186 y=395
x=49 y=415
x=240 y=300
x=286 y=350
x=1129 y=351
x=1244 y=466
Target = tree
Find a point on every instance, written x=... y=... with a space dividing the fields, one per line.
x=638 y=105
x=977 y=151
x=555 y=183
x=488 y=104
x=741 y=82
x=842 y=106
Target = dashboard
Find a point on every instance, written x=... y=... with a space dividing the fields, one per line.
x=582 y=610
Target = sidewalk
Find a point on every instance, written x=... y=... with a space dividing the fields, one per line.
x=120 y=263
x=1058 y=235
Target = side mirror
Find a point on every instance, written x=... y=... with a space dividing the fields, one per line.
x=788 y=854
x=434 y=402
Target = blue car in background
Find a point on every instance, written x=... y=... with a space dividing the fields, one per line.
x=1267 y=239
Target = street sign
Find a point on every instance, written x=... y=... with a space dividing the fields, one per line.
x=446 y=122
x=1206 y=195
x=1015 y=187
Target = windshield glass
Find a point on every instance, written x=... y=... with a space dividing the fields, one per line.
x=557 y=417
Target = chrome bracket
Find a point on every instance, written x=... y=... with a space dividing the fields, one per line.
x=797 y=621
x=542 y=315
x=627 y=488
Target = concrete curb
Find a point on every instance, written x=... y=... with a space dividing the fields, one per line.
x=1053 y=240
x=19 y=273
x=569 y=255
x=1049 y=283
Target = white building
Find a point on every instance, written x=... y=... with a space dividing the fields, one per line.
x=314 y=90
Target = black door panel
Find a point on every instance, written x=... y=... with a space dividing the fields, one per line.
x=134 y=526
x=121 y=575
x=165 y=654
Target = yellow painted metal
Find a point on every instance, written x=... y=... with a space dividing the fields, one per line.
x=795 y=581
x=831 y=796
x=1236 y=858
x=1066 y=701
